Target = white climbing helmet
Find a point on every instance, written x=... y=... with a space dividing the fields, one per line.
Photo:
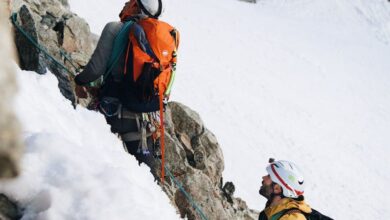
x=288 y=176
x=151 y=8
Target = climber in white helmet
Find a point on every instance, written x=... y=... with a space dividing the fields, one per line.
x=283 y=187
x=132 y=77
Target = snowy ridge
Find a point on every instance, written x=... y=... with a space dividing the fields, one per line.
x=73 y=167
x=374 y=14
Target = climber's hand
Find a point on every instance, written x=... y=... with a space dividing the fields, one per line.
x=81 y=92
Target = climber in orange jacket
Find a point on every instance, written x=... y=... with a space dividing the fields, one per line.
x=133 y=67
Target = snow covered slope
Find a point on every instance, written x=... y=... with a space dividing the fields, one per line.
x=73 y=167
x=303 y=80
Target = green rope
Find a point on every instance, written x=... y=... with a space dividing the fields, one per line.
x=171 y=80
x=41 y=48
x=186 y=194
x=66 y=57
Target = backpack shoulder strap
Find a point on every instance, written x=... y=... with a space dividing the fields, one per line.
x=118 y=47
x=176 y=35
x=280 y=214
x=140 y=35
x=316 y=215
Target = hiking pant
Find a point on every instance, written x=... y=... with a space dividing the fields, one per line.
x=125 y=125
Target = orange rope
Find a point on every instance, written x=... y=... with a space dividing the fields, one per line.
x=127 y=57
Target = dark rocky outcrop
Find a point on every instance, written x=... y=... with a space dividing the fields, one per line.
x=8 y=209
x=62 y=34
x=195 y=158
x=193 y=155
x=30 y=57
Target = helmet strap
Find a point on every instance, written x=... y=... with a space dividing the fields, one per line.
x=273 y=195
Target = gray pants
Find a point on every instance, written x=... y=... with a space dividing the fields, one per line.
x=123 y=123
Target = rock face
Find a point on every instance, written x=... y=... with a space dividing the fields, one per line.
x=61 y=33
x=10 y=143
x=8 y=209
x=193 y=157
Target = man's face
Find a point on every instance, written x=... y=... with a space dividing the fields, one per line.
x=266 y=188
